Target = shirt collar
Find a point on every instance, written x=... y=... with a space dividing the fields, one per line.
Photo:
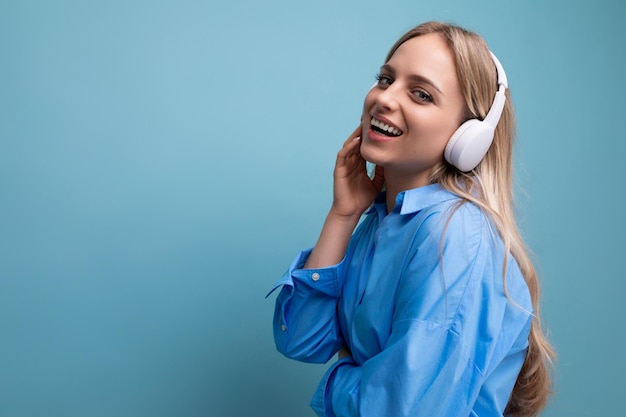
x=414 y=200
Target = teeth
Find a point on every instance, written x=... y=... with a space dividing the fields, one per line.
x=383 y=126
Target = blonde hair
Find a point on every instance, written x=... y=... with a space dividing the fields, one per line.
x=490 y=187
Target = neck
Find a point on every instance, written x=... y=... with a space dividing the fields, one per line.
x=396 y=183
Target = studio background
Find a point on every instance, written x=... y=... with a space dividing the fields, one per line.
x=161 y=163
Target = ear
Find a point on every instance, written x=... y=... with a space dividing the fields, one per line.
x=469 y=144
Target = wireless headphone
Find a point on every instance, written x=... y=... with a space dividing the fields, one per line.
x=470 y=142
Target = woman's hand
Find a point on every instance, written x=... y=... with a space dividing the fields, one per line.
x=344 y=352
x=353 y=189
x=353 y=192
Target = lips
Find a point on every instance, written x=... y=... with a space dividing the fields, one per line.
x=384 y=127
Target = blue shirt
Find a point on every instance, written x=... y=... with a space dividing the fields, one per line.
x=420 y=301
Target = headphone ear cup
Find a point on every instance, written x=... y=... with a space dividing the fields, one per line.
x=469 y=144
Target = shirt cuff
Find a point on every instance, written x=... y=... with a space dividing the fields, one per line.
x=321 y=402
x=327 y=280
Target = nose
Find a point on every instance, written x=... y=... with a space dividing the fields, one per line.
x=387 y=98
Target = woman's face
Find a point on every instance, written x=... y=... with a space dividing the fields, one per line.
x=411 y=113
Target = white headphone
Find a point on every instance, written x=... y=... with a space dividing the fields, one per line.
x=470 y=142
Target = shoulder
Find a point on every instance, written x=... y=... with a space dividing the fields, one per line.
x=445 y=262
x=435 y=209
x=452 y=224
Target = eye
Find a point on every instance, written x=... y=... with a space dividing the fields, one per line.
x=422 y=96
x=384 y=79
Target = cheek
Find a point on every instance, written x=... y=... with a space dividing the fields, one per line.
x=368 y=102
x=439 y=126
x=431 y=132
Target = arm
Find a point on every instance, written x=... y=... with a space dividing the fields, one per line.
x=353 y=193
x=305 y=321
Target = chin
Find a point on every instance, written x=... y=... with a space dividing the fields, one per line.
x=371 y=155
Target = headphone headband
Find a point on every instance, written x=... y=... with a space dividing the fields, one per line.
x=470 y=142
x=501 y=74
x=498 y=102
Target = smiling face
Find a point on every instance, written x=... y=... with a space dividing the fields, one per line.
x=411 y=113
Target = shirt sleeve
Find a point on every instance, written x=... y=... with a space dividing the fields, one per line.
x=424 y=371
x=306 y=326
x=446 y=333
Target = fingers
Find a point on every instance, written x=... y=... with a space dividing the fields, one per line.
x=357 y=133
x=352 y=143
x=379 y=177
x=350 y=154
x=351 y=146
x=349 y=157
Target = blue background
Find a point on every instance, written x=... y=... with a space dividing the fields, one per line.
x=162 y=162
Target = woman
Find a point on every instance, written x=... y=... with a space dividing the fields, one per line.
x=432 y=302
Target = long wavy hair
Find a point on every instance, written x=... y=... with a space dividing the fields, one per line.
x=490 y=187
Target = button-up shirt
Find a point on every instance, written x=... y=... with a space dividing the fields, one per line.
x=433 y=310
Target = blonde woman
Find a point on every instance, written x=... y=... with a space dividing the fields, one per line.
x=419 y=280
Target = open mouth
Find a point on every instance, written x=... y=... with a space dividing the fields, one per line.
x=384 y=129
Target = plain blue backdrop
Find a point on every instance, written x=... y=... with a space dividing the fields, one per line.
x=162 y=162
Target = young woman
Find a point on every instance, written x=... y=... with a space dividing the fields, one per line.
x=431 y=300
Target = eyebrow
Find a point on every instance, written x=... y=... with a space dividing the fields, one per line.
x=413 y=77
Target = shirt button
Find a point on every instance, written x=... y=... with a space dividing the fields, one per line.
x=283 y=327
x=315 y=276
